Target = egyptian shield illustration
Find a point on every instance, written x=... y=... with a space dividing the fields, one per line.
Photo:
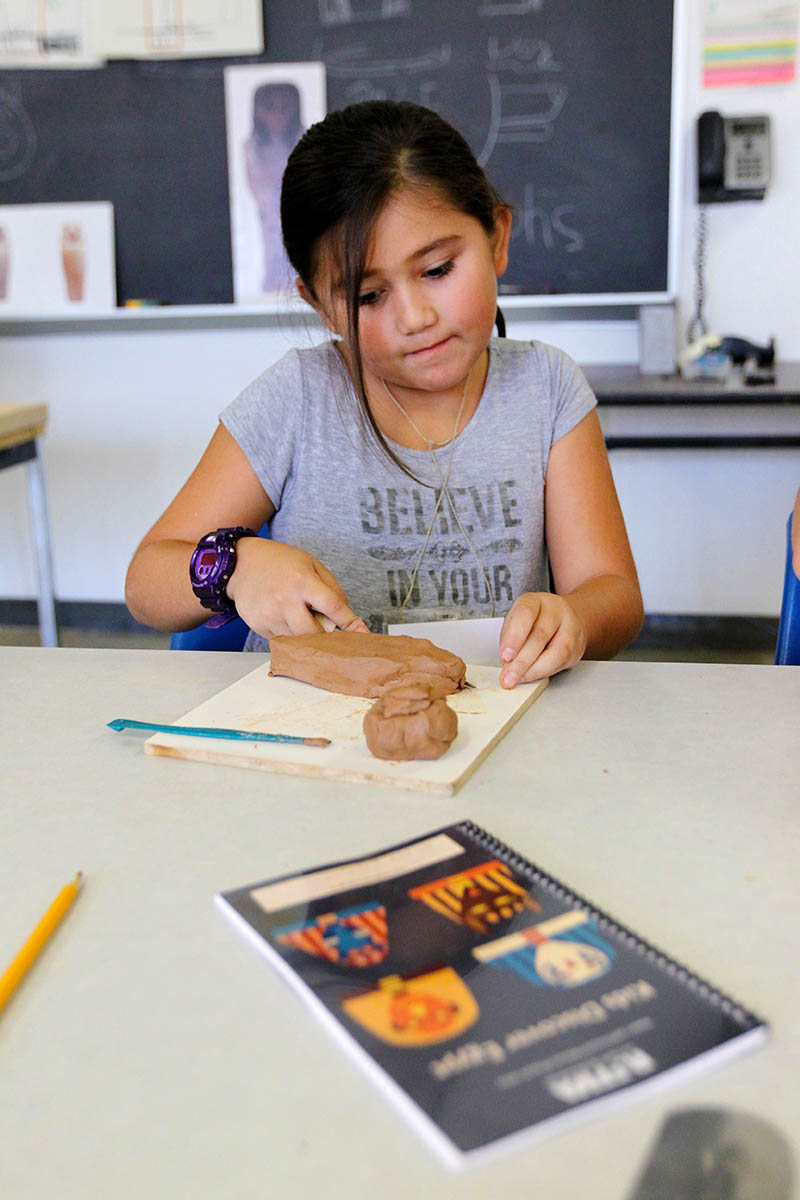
x=482 y=898
x=354 y=937
x=417 y=1010
x=565 y=952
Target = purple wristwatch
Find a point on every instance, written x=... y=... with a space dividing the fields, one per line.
x=210 y=569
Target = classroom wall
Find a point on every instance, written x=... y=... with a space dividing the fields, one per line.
x=133 y=405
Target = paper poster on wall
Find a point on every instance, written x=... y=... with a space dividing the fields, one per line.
x=55 y=34
x=57 y=258
x=267 y=110
x=177 y=28
x=748 y=42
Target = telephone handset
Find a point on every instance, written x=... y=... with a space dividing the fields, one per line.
x=733 y=160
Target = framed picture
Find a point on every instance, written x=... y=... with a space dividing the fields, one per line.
x=268 y=107
x=57 y=258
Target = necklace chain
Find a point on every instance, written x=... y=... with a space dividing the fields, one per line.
x=444 y=490
x=429 y=443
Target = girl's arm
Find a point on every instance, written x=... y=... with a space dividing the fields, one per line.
x=274 y=587
x=597 y=608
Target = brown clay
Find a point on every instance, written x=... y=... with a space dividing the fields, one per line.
x=365 y=664
x=408 y=722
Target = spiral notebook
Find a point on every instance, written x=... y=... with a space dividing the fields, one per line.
x=491 y=1002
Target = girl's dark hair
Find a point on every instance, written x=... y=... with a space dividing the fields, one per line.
x=342 y=172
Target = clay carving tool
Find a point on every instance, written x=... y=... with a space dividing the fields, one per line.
x=210 y=731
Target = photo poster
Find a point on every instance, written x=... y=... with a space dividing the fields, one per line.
x=57 y=258
x=268 y=107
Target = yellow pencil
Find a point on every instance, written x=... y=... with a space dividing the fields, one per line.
x=19 y=966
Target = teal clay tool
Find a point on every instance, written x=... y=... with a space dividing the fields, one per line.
x=239 y=735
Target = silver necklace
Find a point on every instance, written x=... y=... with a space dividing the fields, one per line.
x=429 y=444
x=444 y=477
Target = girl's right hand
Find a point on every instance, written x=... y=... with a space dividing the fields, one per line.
x=277 y=589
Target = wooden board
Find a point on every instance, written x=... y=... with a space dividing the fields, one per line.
x=277 y=705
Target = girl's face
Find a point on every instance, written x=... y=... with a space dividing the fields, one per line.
x=428 y=295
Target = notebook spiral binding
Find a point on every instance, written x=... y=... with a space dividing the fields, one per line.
x=716 y=998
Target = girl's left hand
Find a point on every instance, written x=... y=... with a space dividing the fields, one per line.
x=541 y=634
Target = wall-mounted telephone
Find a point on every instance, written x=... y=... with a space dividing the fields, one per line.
x=732 y=158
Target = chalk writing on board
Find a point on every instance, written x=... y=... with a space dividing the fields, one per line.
x=550 y=227
x=522 y=55
x=513 y=8
x=522 y=111
x=17 y=136
x=354 y=60
x=348 y=12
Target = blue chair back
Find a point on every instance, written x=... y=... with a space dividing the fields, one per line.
x=231 y=636
x=787 y=652
x=228 y=637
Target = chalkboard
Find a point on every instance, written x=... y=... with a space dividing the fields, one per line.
x=567 y=106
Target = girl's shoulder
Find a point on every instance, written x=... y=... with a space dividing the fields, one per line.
x=301 y=372
x=302 y=362
x=291 y=407
x=547 y=369
x=515 y=354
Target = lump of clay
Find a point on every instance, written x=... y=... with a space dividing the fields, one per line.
x=365 y=664
x=408 y=721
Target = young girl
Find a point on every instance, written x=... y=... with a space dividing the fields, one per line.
x=413 y=467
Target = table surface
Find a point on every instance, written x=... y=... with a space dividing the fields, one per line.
x=153 y=1052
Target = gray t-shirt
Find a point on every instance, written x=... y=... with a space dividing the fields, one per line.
x=397 y=556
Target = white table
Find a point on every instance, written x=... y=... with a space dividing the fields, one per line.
x=152 y=1052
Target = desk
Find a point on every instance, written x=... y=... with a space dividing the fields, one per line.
x=21 y=427
x=697 y=414
x=153 y=1052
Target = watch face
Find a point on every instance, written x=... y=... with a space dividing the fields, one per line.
x=204 y=565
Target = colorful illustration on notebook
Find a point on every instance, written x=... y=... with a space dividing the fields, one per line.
x=482 y=898
x=563 y=952
x=355 y=937
x=416 y=1010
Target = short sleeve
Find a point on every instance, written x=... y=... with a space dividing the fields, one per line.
x=266 y=420
x=571 y=395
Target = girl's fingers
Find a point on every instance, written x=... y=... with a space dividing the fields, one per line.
x=551 y=660
x=541 y=635
x=324 y=623
x=328 y=625
x=330 y=605
x=355 y=626
x=517 y=626
x=298 y=619
x=526 y=664
x=299 y=596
